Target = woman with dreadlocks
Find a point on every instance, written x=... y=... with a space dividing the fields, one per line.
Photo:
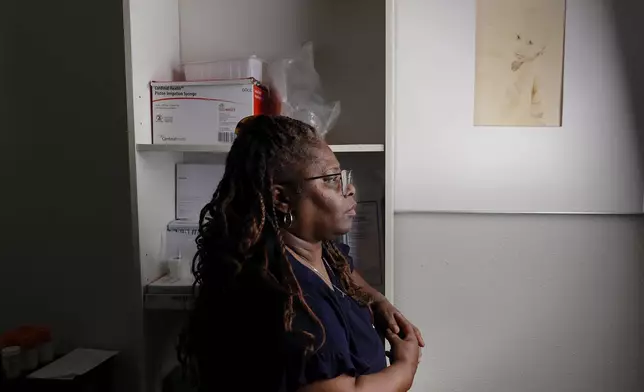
x=279 y=306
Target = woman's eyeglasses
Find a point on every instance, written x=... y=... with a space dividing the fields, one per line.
x=346 y=179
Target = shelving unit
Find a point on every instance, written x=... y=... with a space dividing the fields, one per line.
x=354 y=59
x=222 y=148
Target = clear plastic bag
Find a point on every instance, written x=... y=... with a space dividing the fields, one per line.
x=296 y=84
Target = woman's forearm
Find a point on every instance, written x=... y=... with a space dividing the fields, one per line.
x=359 y=280
x=396 y=378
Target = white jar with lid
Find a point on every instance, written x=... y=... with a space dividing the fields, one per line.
x=12 y=362
x=174 y=267
x=30 y=358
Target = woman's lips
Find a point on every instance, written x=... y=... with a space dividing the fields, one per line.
x=352 y=211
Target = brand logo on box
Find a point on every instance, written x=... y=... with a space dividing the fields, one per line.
x=161 y=118
x=172 y=138
x=223 y=108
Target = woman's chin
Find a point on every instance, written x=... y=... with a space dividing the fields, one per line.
x=345 y=228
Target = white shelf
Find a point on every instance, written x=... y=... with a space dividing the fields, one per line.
x=169 y=294
x=357 y=147
x=214 y=148
x=167 y=285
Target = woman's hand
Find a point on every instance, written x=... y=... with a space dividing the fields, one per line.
x=384 y=313
x=405 y=347
x=387 y=317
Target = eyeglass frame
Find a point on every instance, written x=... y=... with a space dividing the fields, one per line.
x=346 y=179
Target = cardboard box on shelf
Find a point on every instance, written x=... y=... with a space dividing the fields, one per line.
x=204 y=112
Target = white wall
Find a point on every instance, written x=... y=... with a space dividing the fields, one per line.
x=520 y=303
x=591 y=164
x=66 y=248
x=524 y=303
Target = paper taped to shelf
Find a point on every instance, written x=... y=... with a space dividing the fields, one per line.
x=203 y=112
x=365 y=242
x=196 y=184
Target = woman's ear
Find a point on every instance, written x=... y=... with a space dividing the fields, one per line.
x=281 y=199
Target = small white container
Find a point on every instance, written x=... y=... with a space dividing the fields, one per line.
x=12 y=362
x=46 y=353
x=30 y=359
x=176 y=269
x=252 y=67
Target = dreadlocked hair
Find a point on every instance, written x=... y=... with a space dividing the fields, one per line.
x=341 y=268
x=239 y=230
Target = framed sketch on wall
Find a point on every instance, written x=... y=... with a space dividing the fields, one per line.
x=519 y=62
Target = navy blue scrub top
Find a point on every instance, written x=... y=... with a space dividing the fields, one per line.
x=352 y=346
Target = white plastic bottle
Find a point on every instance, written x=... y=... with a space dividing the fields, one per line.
x=12 y=362
x=175 y=267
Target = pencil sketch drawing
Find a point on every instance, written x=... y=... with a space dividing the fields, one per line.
x=519 y=62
